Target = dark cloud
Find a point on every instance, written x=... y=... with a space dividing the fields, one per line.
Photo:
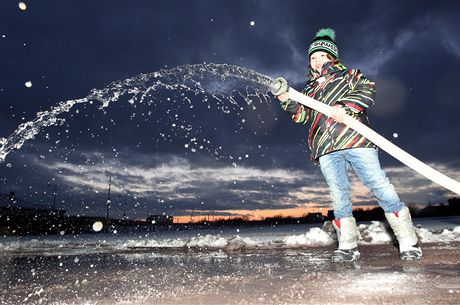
x=68 y=48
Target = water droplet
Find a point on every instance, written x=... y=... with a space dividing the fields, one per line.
x=22 y=6
x=97 y=226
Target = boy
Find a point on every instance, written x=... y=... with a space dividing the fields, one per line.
x=337 y=147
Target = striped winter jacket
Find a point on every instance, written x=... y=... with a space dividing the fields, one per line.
x=335 y=85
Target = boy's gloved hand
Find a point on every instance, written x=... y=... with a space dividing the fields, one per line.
x=338 y=113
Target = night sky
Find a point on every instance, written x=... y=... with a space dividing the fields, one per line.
x=226 y=159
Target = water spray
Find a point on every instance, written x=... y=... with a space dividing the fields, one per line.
x=280 y=86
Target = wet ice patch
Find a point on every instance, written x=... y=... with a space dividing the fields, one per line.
x=380 y=283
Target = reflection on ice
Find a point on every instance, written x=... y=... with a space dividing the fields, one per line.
x=270 y=276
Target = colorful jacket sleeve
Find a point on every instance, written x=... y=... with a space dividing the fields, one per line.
x=361 y=95
x=300 y=113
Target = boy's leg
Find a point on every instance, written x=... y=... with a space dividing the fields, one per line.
x=334 y=168
x=366 y=164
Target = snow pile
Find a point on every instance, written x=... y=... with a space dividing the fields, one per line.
x=209 y=241
x=379 y=233
x=314 y=237
x=375 y=233
x=370 y=233
x=153 y=243
x=445 y=236
x=239 y=242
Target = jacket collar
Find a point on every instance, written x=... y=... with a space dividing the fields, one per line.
x=328 y=68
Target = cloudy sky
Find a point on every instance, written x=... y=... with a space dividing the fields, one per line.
x=171 y=147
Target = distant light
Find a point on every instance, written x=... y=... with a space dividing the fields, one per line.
x=97 y=226
x=28 y=84
x=395 y=135
x=252 y=23
x=22 y=6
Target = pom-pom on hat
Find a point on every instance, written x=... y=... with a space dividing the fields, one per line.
x=324 y=41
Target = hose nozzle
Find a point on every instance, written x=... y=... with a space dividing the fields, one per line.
x=279 y=86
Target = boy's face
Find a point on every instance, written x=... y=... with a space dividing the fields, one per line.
x=318 y=59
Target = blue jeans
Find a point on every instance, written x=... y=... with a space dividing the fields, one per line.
x=365 y=163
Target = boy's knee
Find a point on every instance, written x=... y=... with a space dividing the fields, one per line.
x=377 y=180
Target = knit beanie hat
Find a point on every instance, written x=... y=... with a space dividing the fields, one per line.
x=324 y=41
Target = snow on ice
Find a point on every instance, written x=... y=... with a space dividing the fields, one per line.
x=245 y=238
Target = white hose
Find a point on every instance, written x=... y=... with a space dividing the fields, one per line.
x=381 y=142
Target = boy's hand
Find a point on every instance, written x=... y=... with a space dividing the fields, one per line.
x=338 y=113
x=283 y=97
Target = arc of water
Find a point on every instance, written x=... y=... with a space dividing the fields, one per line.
x=280 y=86
x=186 y=78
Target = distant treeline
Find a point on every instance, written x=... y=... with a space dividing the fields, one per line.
x=436 y=210
x=31 y=221
x=431 y=210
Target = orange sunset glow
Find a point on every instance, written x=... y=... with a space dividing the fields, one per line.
x=256 y=214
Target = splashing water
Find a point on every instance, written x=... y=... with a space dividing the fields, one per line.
x=221 y=82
